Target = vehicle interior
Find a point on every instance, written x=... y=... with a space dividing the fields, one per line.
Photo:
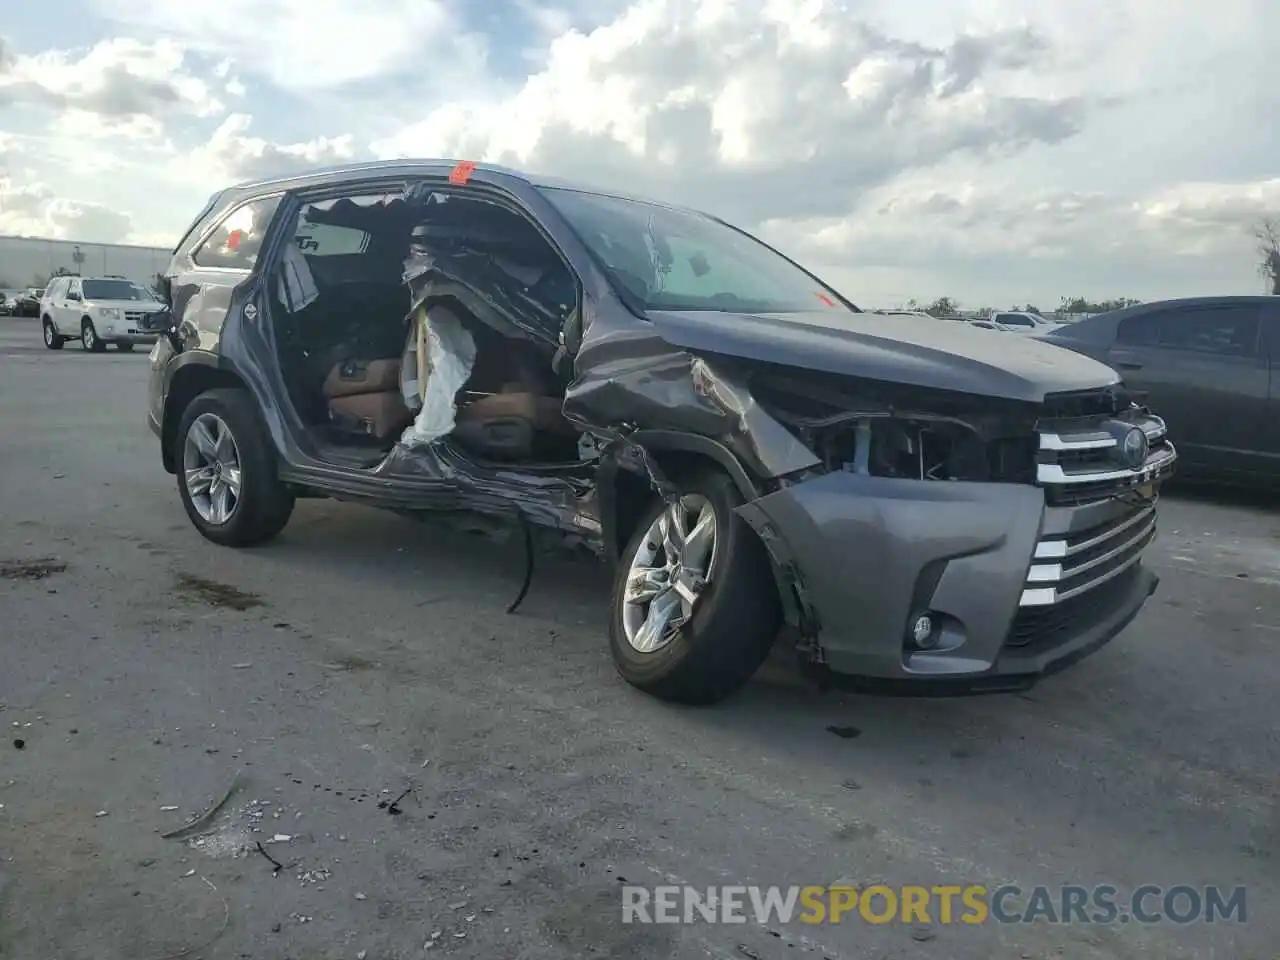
x=351 y=335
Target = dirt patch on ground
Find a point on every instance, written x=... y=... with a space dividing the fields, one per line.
x=35 y=569
x=216 y=594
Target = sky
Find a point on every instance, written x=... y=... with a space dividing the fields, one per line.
x=994 y=151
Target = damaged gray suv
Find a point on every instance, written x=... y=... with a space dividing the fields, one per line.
x=904 y=501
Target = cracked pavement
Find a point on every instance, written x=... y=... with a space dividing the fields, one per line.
x=362 y=655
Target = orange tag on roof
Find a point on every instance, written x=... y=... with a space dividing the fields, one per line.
x=234 y=238
x=462 y=172
x=825 y=299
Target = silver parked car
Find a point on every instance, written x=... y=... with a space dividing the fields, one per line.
x=96 y=311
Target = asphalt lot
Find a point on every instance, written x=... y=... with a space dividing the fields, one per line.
x=362 y=654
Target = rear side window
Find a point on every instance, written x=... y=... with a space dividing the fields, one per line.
x=1140 y=331
x=1014 y=320
x=236 y=240
x=1227 y=331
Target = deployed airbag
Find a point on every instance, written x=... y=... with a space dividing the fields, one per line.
x=437 y=362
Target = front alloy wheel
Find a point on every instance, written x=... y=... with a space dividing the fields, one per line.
x=89 y=338
x=211 y=461
x=695 y=604
x=668 y=573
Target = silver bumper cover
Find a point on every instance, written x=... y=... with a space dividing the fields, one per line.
x=1022 y=577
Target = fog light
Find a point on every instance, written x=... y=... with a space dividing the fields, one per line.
x=922 y=631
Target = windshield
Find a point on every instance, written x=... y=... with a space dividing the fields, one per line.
x=679 y=260
x=1014 y=320
x=112 y=290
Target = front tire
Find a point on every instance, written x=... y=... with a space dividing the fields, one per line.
x=51 y=339
x=711 y=645
x=227 y=471
x=89 y=339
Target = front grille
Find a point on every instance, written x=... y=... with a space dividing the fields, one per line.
x=1091 y=451
x=1082 y=460
x=1048 y=626
x=1071 y=566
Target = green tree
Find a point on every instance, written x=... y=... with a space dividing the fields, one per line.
x=1084 y=305
x=1267 y=232
x=942 y=307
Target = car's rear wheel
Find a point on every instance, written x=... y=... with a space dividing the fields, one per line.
x=51 y=339
x=695 y=606
x=89 y=339
x=227 y=471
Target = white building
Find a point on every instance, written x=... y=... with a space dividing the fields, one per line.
x=30 y=261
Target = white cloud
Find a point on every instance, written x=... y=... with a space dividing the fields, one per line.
x=920 y=238
x=314 y=45
x=231 y=154
x=33 y=209
x=121 y=80
x=758 y=111
x=992 y=150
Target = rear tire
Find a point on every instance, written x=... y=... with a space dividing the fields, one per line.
x=52 y=340
x=262 y=504
x=734 y=621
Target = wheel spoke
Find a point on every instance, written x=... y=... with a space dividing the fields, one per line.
x=204 y=440
x=231 y=477
x=225 y=447
x=645 y=584
x=220 y=499
x=673 y=530
x=651 y=633
x=697 y=546
x=199 y=480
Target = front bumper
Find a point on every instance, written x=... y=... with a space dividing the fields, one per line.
x=1016 y=588
x=140 y=339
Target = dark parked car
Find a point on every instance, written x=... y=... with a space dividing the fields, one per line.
x=910 y=502
x=1211 y=365
x=27 y=303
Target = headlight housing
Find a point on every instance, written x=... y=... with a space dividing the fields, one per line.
x=890 y=430
x=109 y=313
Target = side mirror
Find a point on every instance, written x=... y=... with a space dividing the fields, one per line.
x=75 y=296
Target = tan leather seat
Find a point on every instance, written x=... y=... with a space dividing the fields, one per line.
x=500 y=406
x=502 y=425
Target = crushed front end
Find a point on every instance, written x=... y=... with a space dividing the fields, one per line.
x=961 y=542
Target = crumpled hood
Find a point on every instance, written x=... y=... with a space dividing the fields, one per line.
x=941 y=355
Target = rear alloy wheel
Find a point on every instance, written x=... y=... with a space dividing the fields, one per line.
x=695 y=605
x=51 y=339
x=89 y=337
x=211 y=461
x=226 y=471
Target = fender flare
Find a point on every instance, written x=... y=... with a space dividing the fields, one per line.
x=202 y=360
x=658 y=442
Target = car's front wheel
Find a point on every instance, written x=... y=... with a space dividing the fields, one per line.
x=51 y=339
x=227 y=471
x=89 y=338
x=695 y=606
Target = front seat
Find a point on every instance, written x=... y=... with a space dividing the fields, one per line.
x=502 y=426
